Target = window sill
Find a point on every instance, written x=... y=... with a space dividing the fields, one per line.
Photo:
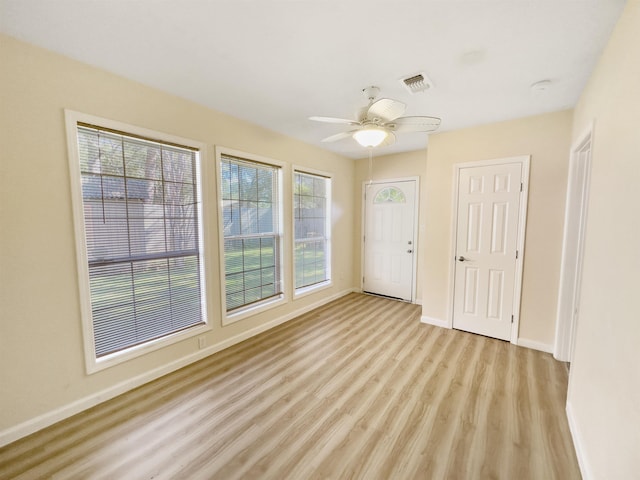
x=304 y=291
x=241 y=314
x=97 y=364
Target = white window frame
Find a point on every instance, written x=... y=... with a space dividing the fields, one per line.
x=307 y=290
x=93 y=364
x=250 y=310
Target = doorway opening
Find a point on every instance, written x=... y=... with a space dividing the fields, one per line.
x=575 y=221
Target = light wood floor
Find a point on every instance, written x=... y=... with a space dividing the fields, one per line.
x=355 y=389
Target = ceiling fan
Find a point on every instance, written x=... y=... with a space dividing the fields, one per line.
x=377 y=122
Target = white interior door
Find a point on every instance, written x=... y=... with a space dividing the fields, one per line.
x=486 y=242
x=389 y=239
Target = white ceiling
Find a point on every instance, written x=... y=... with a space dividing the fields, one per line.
x=277 y=62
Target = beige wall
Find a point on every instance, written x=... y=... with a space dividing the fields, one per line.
x=546 y=139
x=604 y=388
x=401 y=165
x=41 y=355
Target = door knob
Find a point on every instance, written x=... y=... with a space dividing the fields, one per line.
x=461 y=258
x=409 y=251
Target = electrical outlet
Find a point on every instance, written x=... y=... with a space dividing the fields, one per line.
x=202 y=342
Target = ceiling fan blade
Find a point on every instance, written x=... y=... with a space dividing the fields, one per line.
x=386 y=109
x=414 y=124
x=339 y=136
x=334 y=120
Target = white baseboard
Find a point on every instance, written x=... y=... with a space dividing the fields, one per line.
x=16 y=432
x=578 y=445
x=543 y=347
x=434 y=321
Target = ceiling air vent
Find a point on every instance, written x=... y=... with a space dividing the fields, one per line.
x=417 y=83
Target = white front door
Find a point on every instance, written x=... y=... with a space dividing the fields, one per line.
x=389 y=239
x=486 y=242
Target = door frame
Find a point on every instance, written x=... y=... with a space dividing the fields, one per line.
x=571 y=275
x=416 y=212
x=524 y=161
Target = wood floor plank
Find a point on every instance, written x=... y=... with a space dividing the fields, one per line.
x=356 y=389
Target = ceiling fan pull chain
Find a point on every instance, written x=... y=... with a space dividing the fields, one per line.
x=370 y=165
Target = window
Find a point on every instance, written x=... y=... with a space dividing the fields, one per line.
x=141 y=225
x=390 y=195
x=311 y=203
x=252 y=235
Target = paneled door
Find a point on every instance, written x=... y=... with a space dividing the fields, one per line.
x=486 y=248
x=389 y=239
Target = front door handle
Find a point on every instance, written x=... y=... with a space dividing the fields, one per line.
x=461 y=258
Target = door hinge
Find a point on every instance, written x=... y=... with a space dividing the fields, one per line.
x=362 y=279
x=516 y=254
x=521 y=186
x=511 y=318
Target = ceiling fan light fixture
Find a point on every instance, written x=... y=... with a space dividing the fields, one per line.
x=370 y=137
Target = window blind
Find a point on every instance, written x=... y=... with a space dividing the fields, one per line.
x=142 y=228
x=311 y=255
x=250 y=207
